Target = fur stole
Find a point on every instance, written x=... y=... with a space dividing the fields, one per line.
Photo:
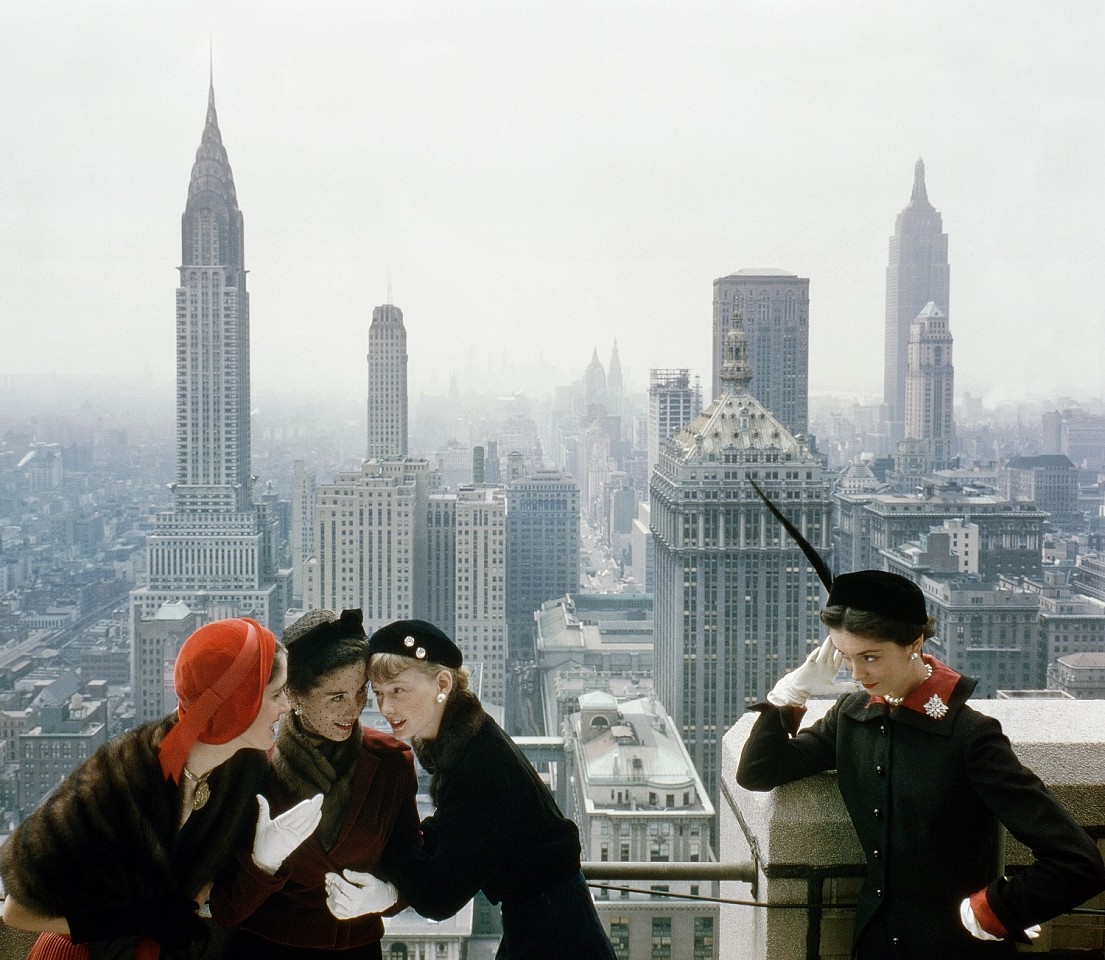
x=306 y=764
x=462 y=720
x=109 y=835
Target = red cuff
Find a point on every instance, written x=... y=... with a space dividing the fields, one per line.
x=986 y=917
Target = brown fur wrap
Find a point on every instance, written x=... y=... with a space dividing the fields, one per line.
x=461 y=721
x=307 y=764
x=108 y=835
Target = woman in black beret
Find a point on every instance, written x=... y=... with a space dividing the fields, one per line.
x=496 y=827
x=928 y=783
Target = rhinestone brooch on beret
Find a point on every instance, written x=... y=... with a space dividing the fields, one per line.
x=408 y=641
x=935 y=707
x=420 y=653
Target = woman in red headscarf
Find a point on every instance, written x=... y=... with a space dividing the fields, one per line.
x=118 y=860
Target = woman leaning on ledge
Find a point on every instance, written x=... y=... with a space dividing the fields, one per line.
x=928 y=783
x=119 y=859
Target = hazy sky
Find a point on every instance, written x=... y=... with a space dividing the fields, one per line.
x=537 y=177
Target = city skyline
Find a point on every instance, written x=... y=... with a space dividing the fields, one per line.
x=527 y=186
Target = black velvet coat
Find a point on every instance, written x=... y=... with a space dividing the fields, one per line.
x=927 y=797
x=107 y=843
x=496 y=827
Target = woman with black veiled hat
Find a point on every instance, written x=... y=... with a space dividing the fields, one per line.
x=368 y=781
x=496 y=827
x=928 y=783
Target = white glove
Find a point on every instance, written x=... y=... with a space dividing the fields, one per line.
x=355 y=894
x=816 y=675
x=275 y=839
x=974 y=928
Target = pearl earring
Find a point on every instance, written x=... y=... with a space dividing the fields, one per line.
x=441 y=697
x=298 y=710
x=914 y=655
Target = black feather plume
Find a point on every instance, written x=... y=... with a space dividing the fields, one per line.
x=815 y=559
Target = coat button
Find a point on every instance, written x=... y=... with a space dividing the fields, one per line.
x=878 y=893
x=878 y=769
x=896 y=941
x=875 y=854
x=882 y=728
x=878 y=813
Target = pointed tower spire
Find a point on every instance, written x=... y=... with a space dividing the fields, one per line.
x=614 y=385
x=920 y=194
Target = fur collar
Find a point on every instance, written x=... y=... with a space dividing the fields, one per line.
x=462 y=720
x=307 y=764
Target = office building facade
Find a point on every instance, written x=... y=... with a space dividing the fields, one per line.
x=774 y=308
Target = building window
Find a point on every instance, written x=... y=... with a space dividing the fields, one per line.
x=661 y=938
x=619 y=937
x=703 y=938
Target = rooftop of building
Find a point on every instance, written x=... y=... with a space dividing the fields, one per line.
x=633 y=743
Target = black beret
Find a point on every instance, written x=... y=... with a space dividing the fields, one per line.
x=417 y=639
x=877 y=591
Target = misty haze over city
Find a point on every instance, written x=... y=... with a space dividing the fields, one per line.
x=529 y=182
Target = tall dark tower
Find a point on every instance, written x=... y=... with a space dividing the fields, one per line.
x=215 y=550
x=918 y=273
x=772 y=307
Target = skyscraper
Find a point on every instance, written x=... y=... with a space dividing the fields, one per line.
x=387 y=384
x=542 y=550
x=370 y=542
x=736 y=602
x=930 y=387
x=215 y=549
x=673 y=402
x=918 y=273
x=304 y=488
x=481 y=585
x=615 y=388
x=774 y=308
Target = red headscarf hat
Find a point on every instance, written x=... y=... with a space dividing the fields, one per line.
x=221 y=674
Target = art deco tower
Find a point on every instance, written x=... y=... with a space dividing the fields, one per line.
x=215 y=549
x=918 y=273
x=736 y=603
x=387 y=384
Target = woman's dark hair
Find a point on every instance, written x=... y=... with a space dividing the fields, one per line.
x=863 y=623
x=307 y=667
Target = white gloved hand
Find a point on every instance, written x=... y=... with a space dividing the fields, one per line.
x=974 y=928
x=354 y=894
x=816 y=675
x=275 y=838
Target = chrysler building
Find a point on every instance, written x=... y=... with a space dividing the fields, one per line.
x=215 y=548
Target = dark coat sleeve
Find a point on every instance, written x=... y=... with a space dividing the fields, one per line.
x=1067 y=868
x=466 y=840
x=774 y=754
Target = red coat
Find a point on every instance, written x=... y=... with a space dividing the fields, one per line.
x=290 y=906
